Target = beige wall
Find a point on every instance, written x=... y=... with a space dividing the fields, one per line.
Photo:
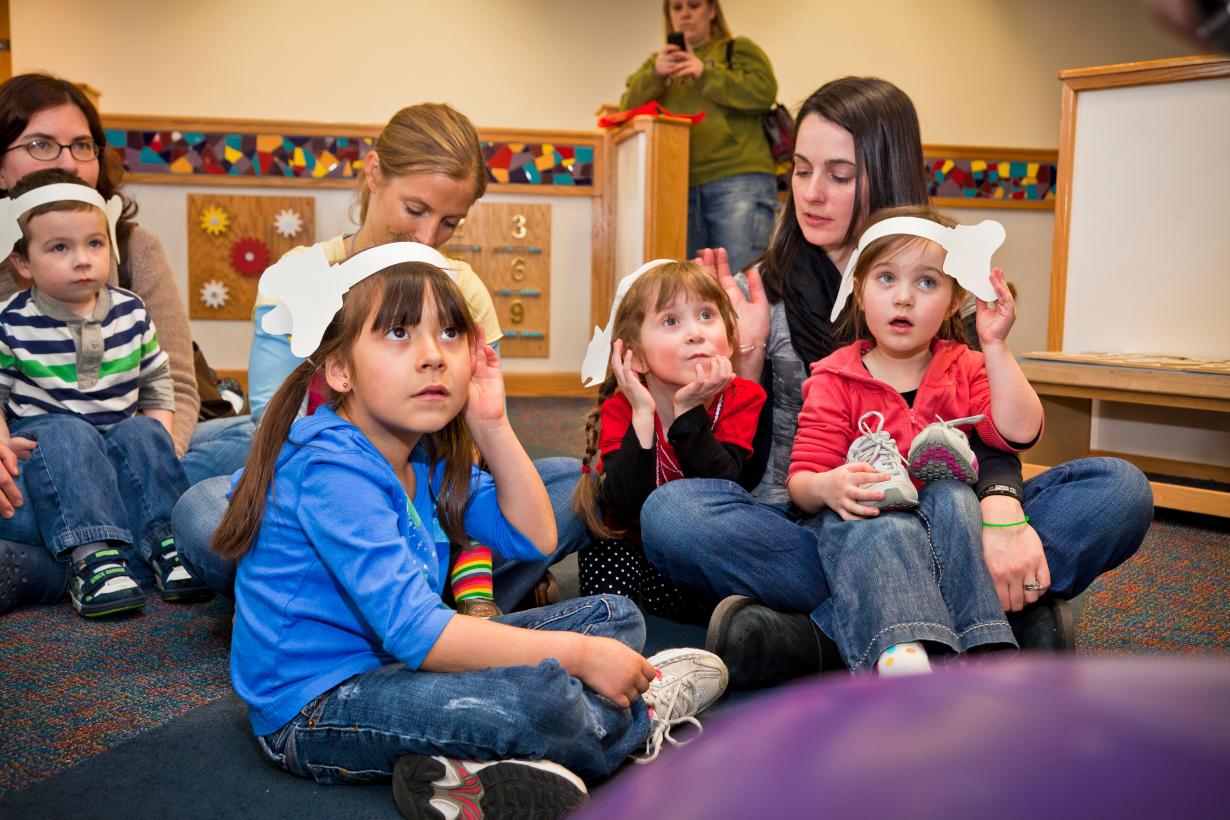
x=982 y=72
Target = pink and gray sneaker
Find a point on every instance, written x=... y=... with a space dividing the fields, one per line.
x=942 y=452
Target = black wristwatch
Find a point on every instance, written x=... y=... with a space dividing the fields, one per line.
x=1000 y=489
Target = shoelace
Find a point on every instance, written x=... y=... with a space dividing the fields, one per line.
x=877 y=447
x=664 y=720
x=954 y=423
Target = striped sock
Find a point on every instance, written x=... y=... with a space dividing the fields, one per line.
x=471 y=574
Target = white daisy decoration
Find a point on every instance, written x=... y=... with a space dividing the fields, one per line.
x=288 y=223
x=214 y=294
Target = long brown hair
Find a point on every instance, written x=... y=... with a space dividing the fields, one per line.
x=428 y=138
x=853 y=323
x=654 y=291
x=393 y=297
x=887 y=151
x=25 y=95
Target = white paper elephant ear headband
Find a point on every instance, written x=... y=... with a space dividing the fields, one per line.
x=308 y=290
x=970 y=248
x=598 y=354
x=12 y=209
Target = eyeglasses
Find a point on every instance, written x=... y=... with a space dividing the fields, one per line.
x=82 y=150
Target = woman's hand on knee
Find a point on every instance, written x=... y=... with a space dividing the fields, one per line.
x=1014 y=556
x=13 y=451
x=613 y=670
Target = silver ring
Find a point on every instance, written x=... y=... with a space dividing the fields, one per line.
x=1033 y=586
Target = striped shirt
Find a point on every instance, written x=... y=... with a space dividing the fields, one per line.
x=102 y=368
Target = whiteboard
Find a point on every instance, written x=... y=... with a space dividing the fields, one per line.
x=1149 y=227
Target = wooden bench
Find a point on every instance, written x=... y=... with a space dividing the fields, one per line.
x=1068 y=389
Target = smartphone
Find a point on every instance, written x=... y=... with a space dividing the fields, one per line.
x=675 y=38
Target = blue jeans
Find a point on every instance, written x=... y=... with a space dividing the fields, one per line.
x=711 y=537
x=200 y=511
x=218 y=447
x=909 y=576
x=356 y=731
x=82 y=484
x=735 y=213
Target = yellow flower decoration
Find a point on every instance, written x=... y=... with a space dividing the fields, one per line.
x=214 y=220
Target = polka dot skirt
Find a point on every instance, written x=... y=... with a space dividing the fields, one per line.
x=614 y=566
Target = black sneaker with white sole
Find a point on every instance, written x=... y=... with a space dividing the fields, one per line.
x=173 y=579
x=442 y=788
x=100 y=585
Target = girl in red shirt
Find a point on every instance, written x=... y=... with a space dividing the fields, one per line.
x=671 y=408
x=909 y=381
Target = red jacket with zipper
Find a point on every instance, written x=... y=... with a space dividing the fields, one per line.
x=840 y=391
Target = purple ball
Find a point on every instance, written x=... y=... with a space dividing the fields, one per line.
x=1004 y=738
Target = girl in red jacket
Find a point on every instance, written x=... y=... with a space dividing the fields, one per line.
x=672 y=408
x=915 y=573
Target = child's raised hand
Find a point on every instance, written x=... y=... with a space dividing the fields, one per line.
x=843 y=490
x=614 y=671
x=713 y=375
x=485 y=403
x=629 y=381
x=995 y=319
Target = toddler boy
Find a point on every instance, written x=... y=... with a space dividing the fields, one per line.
x=82 y=375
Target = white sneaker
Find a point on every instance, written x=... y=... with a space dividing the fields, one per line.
x=688 y=682
x=941 y=452
x=879 y=449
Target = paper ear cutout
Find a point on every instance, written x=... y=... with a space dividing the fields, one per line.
x=968 y=258
x=308 y=290
x=598 y=353
x=12 y=209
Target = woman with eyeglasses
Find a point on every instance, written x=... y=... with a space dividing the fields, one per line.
x=47 y=122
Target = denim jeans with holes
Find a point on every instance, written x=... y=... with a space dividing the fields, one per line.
x=735 y=213
x=356 y=731
x=82 y=484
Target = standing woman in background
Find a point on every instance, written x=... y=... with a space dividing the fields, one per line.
x=732 y=193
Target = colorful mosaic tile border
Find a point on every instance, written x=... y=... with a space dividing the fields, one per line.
x=525 y=163
x=175 y=153
x=244 y=155
x=1003 y=180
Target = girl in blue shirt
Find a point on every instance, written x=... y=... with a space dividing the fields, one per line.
x=350 y=663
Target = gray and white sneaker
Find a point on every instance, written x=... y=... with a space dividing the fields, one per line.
x=879 y=449
x=688 y=682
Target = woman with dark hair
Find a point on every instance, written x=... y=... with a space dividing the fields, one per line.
x=732 y=193
x=858 y=150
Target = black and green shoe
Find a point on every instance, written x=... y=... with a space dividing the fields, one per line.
x=100 y=585
x=173 y=579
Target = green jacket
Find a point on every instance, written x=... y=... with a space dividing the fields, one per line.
x=730 y=140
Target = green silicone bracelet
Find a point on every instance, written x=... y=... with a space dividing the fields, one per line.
x=1013 y=524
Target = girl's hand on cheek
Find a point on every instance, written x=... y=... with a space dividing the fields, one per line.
x=995 y=319
x=712 y=377
x=629 y=380
x=485 y=402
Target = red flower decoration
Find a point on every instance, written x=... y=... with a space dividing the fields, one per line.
x=250 y=256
